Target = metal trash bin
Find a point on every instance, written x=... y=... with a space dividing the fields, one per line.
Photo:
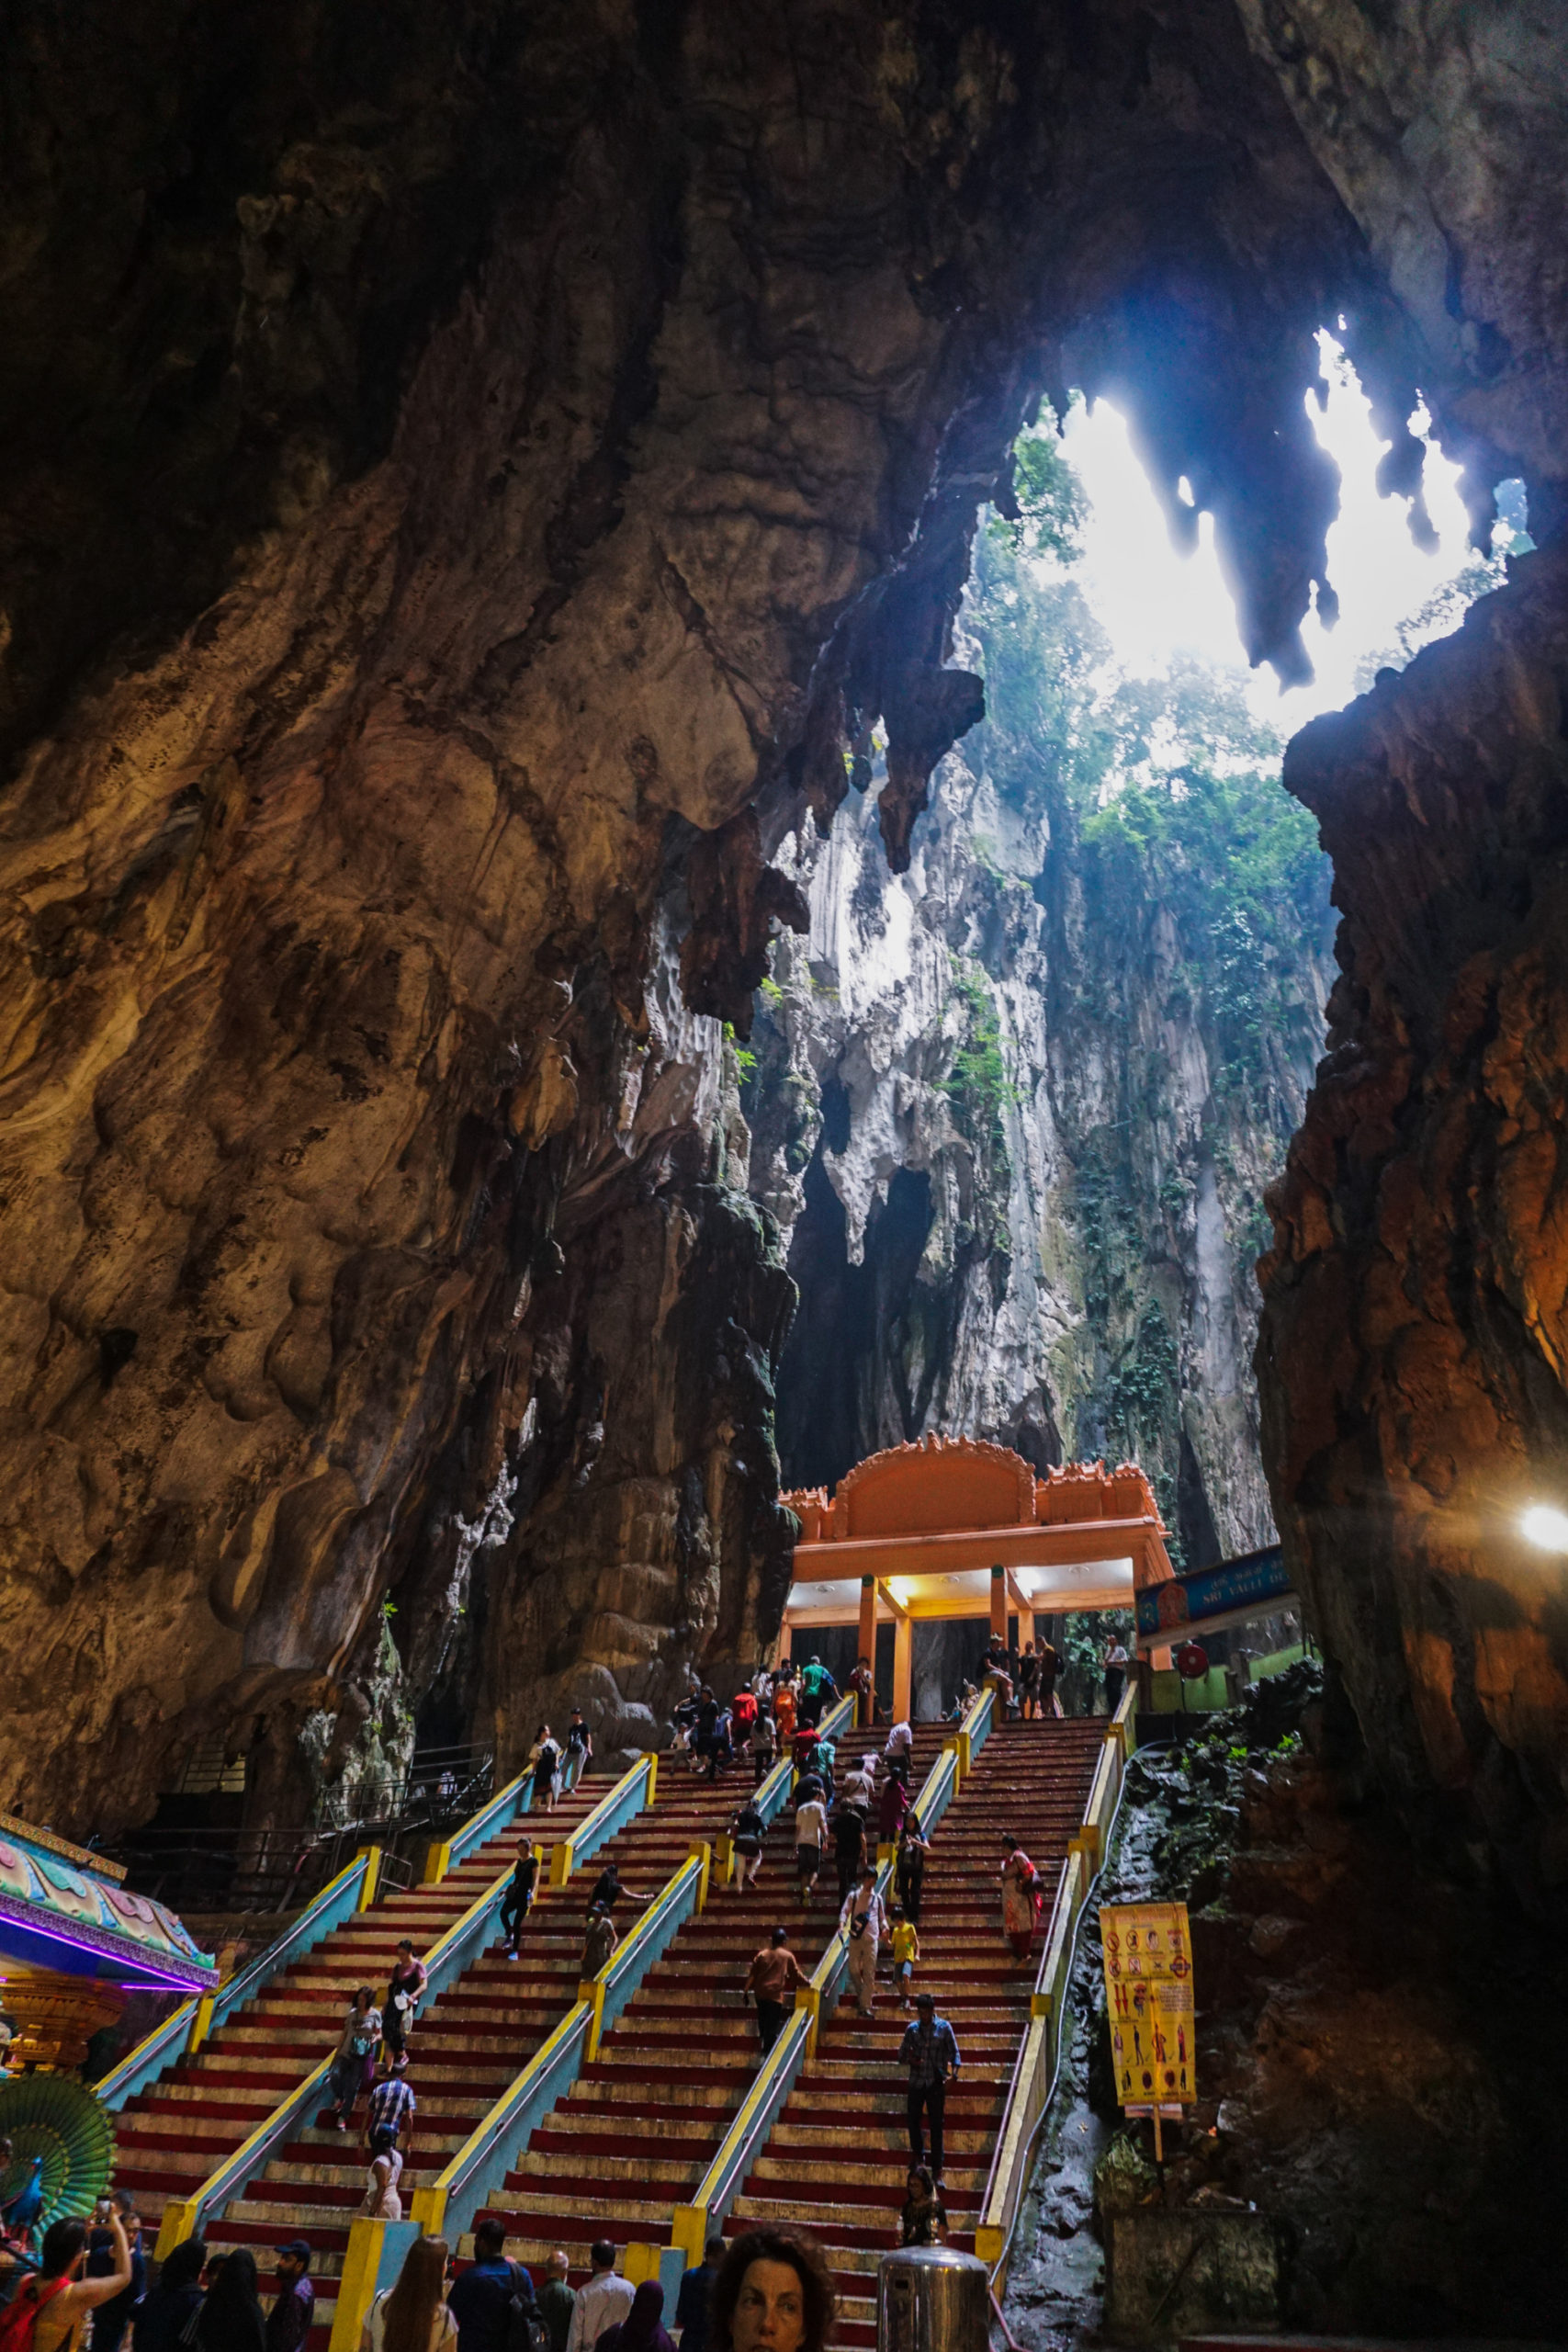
x=932 y=2298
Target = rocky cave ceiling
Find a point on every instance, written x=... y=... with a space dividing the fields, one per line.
x=467 y=474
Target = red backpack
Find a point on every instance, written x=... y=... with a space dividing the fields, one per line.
x=20 y=2316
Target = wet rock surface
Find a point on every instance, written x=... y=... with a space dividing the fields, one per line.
x=1370 y=2080
x=1416 y=1323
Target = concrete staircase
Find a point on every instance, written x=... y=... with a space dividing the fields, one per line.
x=172 y=2135
x=838 y=2158
x=474 y=2038
x=636 y=2135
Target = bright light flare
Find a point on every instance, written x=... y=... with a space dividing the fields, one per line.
x=1546 y=1527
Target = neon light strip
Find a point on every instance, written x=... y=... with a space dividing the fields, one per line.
x=104 y=1947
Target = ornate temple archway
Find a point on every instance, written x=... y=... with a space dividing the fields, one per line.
x=953 y=1527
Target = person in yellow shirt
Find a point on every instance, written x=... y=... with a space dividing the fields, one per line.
x=906 y=1952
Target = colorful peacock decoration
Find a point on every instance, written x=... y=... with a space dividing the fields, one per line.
x=62 y=2153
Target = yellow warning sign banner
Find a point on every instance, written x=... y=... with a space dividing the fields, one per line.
x=1147 y=1955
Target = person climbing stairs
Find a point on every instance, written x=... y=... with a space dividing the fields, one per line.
x=633 y=2137
x=838 y=2158
x=470 y=2042
x=172 y=2135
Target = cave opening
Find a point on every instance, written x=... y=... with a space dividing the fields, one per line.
x=1019 y=1110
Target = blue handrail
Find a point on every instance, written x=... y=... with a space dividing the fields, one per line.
x=194 y=2021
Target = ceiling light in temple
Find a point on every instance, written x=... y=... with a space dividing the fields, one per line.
x=1544 y=1525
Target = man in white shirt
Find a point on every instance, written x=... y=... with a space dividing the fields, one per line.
x=860 y=1786
x=810 y=1836
x=863 y=1920
x=898 y=1751
x=606 y=2299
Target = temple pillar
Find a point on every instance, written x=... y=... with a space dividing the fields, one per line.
x=867 y=1648
x=999 y=1602
x=903 y=1667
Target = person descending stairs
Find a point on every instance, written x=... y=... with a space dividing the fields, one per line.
x=172 y=2135
x=838 y=2159
x=470 y=2042
x=632 y=2140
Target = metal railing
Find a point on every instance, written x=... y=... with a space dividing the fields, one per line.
x=477 y=2172
x=632 y=1793
x=352 y=1890
x=517 y=1797
x=1039 y=2059
x=795 y=2047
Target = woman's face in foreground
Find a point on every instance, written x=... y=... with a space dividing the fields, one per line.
x=770 y=2315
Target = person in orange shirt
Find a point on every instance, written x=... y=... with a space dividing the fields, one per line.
x=783 y=1712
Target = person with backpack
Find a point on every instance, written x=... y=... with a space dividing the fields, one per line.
x=1028 y=1683
x=862 y=1920
x=543 y=1762
x=518 y=1900
x=746 y=1832
x=354 y=2065
x=493 y=2302
x=47 y=2310
x=167 y=2318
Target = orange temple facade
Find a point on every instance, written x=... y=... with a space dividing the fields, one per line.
x=953 y=1527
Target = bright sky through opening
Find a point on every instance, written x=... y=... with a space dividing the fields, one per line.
x=1153 y=602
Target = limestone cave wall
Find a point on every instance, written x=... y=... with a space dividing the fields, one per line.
x=1016 y=1112
x=468 y=476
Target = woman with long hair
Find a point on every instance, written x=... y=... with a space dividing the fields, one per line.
x=413 y=2316
x=57 y=2291
x=543 y=1762
x=382 y=2201
x=642 y=2329
x=354 y=2062
x=924 y=2218
x=232 y=2317
x=773 y=2291
x=164 y=2319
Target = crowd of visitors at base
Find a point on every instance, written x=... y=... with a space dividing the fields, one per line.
x=767 y=2291
x=770 y=2291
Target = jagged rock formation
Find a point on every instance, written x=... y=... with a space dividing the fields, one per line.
x=1415 y=1336
x=462 y=486
x=1019 y=1138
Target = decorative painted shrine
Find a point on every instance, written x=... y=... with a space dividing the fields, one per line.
x=953 y=1527
x=73 y=1943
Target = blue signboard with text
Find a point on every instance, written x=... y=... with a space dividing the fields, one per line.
x=1257 y=1579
